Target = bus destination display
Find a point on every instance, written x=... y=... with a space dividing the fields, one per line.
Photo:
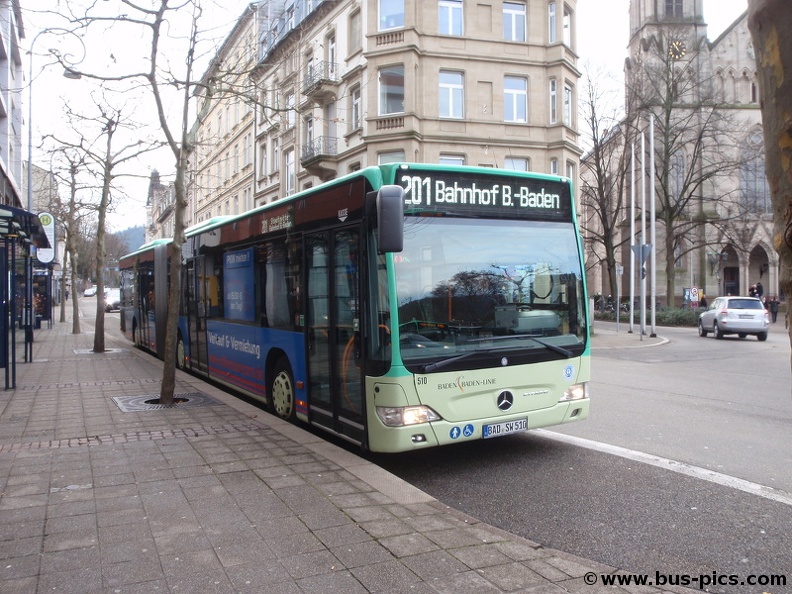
x=496 y=195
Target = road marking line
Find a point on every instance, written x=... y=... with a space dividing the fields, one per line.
x=674 y=466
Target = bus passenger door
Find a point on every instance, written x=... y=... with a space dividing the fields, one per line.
x=196 y=312
x=334 y=337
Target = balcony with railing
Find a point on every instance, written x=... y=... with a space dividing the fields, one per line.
x=320 y=156
x=320 y=81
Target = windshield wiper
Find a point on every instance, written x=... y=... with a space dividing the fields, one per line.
x=446 y=362
x=549 y=345
x=437 y=365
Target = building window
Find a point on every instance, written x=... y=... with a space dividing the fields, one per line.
x=248 y=148
x=515 y=163
x=290 y=111
x=356 y=111
x=309 y=132
x=451 y=159
x=553 y=101
x=355 y=32
x=676 y=175
x=452 y=94
x=551 y=22
x=331 y=55
x=275 y=155
x=673 y=8
x=515 y=99
x=553 y=166
x=291 y=173
x=450 y=17
x=567 y=27
x=391 y=14
x=390 y=157
x=391 y=90
x=568 y=113
x=754 y=191
x=514 y=21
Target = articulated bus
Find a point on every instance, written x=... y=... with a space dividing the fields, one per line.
x=399 y=307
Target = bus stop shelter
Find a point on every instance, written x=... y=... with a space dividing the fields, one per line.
x=21 y=233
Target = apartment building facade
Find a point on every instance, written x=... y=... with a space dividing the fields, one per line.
x=304 y=91
x=11 y=85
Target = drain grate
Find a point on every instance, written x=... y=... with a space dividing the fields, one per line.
x=142 y=403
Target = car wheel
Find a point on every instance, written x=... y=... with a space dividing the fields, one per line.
x=718 y=332
x=702 y=331
x=762 y=336
x=281 y=395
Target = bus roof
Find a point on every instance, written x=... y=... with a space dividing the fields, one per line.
x=377 y=176
x=147 y=246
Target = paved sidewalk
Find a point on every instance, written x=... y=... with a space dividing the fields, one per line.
x=220 y=497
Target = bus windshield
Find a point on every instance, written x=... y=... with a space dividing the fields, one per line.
x=473 y=289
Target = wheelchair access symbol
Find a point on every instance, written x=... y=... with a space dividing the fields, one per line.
x=468 y=431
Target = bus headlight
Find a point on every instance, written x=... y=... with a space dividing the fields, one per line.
x=401 y=416
x=575 y=392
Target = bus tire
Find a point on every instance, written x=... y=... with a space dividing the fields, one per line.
x=281 y=394
x=180 y=357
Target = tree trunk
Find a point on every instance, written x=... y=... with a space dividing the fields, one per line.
x=770 y=23
x=75 y=302
x=171 y=333
x=64 y=268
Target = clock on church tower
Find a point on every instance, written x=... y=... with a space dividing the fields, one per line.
x=677 y=49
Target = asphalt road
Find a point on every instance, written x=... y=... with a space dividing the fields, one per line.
x=702 y=404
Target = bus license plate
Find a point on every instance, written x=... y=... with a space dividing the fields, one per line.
x=505 y=428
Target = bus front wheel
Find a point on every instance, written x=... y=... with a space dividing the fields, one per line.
x=180 y=357
x=281 y=391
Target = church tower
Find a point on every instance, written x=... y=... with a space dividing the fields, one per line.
x=664 y=33
x=647 y=17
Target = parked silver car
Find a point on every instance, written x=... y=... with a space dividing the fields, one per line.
x=735 y=315
x=112 y=300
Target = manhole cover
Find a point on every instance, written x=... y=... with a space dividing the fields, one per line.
x=142 y=403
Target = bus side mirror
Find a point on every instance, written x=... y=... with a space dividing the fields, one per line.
x=390 y=219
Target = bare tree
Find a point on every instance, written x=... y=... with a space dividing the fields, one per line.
x=104 y=159
x=695 y=145
x=154 y=22
x=770 y=23
x=603 y=174
x=70 y=213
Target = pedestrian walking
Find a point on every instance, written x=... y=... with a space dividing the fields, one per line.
x=774 y=308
